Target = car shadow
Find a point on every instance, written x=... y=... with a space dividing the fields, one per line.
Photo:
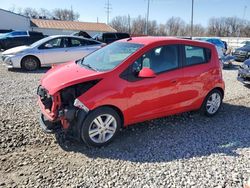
x=176 y=137
x=38 y=71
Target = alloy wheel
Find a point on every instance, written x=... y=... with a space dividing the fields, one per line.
x=213 y=103
x=102 y=128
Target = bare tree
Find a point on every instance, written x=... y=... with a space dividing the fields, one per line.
x=44 y=13
x=65 y=14
x=138 y=26
x=152 y=28
x=121 y=23
x=30 y=12
x=175 y=26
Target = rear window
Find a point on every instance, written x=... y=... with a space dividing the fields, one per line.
x=109 y=36
x=35 y=34
x=122 y=35
x=196 y=55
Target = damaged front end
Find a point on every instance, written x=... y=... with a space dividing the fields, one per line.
x=244 y=72
x=62 y=110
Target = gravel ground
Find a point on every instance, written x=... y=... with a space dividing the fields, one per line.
x=187 y=150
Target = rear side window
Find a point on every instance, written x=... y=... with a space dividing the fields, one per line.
x=196 y=55
x=77 y=42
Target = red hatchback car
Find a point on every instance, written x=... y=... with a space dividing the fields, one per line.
x=130 y=81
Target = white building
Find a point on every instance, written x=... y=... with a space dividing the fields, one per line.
x=10 y=20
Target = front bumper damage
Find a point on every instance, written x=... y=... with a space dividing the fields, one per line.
x=244 y=75
x=54 y=116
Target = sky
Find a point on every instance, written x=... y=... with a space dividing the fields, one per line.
x=160 y=10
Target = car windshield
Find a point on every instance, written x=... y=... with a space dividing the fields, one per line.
x=109 y=56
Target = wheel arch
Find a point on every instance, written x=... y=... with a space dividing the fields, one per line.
x=33 y=56
x=118 y=110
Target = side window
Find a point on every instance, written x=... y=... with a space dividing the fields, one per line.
x=159 y=59
x=54 y=43
x=196 y=55
x=77 y=42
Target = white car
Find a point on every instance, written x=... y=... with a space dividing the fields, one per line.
x=49 y=51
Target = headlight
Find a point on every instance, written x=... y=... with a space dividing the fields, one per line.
x=80 y=105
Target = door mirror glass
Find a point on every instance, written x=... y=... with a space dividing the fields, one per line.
x=146 y=73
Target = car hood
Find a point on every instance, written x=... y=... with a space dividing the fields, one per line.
x=66 y=75
x=15 y=50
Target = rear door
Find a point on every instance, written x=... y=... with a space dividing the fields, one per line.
x=79 y=48
x=197 y=75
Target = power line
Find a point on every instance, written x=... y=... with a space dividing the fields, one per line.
x=108 y=9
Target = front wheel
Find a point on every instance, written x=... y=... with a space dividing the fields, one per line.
x=212 y=103
x=100 y=127
x=30 y=63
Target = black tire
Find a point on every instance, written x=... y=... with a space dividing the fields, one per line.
x=89 y=125
x=205 y=109
x=30 y=63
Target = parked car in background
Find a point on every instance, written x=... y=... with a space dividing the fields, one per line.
x=220 y=46
x=244 y=72
x=110 y=37
x=19 y=38
x=2 y=31
x=127 y=82
x=242 y=53
x=48 y=51
x=82 y=34
x=243 y=43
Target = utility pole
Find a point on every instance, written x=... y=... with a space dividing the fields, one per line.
x=192 y=19
x=146 y=32
x=108 y=10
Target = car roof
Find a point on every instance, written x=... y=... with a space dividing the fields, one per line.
x=150 y=40
x=71 y=36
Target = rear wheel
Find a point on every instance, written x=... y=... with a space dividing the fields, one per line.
x=212 y=103
x=30 y=63
x=100 y=127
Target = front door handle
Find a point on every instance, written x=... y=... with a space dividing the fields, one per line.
x=173 y=81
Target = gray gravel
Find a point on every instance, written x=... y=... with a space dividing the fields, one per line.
x=187 y=150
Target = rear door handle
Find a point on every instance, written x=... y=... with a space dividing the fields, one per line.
x=173 y=81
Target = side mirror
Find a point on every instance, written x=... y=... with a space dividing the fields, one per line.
x=146 y=73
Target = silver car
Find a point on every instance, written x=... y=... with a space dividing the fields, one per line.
x=49 y=51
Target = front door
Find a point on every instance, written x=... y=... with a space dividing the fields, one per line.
x=54 y=51
x=153 y=97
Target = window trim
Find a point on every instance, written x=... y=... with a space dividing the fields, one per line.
x=128 y=75
x=42 y=46
x=184 y=62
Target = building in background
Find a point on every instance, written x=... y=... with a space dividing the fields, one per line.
x=10 y=20
x=55 y=27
